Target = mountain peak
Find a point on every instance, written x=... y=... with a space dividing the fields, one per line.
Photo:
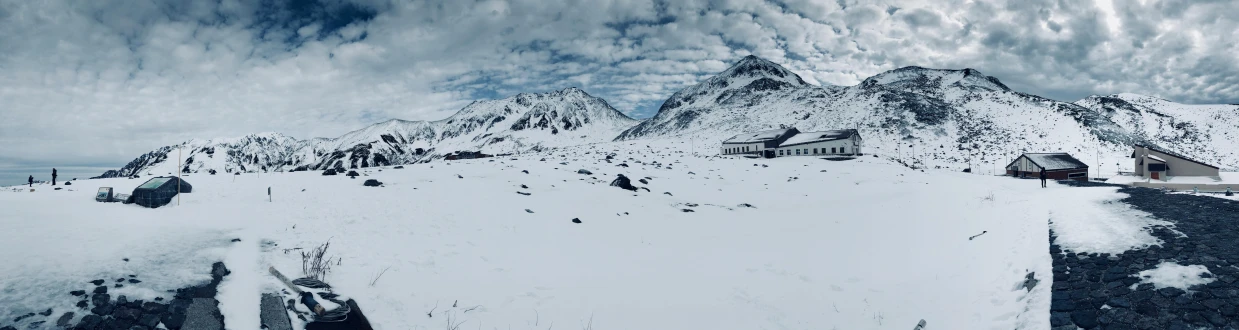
x=755 y=67
x=915 y=77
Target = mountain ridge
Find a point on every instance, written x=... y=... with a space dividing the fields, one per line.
x=982 y=120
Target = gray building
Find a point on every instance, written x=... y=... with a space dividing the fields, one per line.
x=1156 y=164
x=792 y=142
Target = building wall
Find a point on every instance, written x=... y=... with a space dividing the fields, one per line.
x=823 y=148
x=1022 y=164
x=1176 y=166
x=1052 y=175
x=754 y=148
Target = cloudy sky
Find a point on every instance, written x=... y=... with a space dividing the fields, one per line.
x=94 y=83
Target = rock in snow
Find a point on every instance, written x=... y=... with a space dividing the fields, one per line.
x=372 y=183
x=623 y=182
x=576 y=220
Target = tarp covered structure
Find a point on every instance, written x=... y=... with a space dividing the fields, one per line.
x=159 y=191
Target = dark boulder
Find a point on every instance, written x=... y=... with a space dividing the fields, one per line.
x=642 y=181
x=23 y=317
x=583 y=171
x=218 y=271
x=78 y=292
x=64 y=319
x=372 y=183
x=68 y=183
x=623 y=182
x=352 y=174
x=212 y=171
x=89 y=322
x=136 y=281
x=523 y=193
x=101 y=289
x=127 y=313
x=327 y=172
x=149 y=321
x=397 y=167
x=687 y=210
x=576 y=220
x=82 y=304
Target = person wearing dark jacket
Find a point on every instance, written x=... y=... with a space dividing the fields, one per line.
x=53 y=176
x=30 y=181
x=1043 y=178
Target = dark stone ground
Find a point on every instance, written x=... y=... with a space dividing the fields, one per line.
x=1084 y=283
x=102 y=311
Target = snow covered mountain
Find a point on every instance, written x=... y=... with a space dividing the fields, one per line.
x=524 y=122
x=1206 y=132
x=923 y=117
x=917 y=116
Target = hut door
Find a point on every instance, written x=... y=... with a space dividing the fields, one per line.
x=1155 y=175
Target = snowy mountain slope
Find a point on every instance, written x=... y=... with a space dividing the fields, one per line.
x=923 y=117
x=523 y=122
x=242 y=154
x=456 y=241
x=1205 y=132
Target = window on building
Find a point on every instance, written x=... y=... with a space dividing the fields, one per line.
x=1077 y=175
x=832 y=150
x=780 y=152
x=842 y=151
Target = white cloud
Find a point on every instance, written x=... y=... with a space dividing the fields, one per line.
x=100 y=82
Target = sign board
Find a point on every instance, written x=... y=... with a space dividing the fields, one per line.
x=104 y=194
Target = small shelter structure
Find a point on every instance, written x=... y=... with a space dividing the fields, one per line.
x=1057 y=165
x=159 y=191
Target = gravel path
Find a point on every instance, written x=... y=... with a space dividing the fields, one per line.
x=1094 y=291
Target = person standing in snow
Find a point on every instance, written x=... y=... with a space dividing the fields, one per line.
x=1042 y=178
x=30 y=181
x=53 y=176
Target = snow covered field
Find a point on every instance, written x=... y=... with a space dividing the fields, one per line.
x=860 y=244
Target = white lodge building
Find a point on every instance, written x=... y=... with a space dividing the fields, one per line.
x=791 y=142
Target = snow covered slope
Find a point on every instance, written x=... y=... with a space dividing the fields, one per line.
x=801 y=244
x=1207 y=132
x=922 y=117
x=519 y=123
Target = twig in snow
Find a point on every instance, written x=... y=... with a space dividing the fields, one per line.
x=376 y=277
x=431 y=313
x=472 y=308
x=590 y=325
x=454 y=303
x=975 y=236
x=451 y=326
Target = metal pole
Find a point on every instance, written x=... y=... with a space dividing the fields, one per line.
x=178 y=176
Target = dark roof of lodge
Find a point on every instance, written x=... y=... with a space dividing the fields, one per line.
x=1052 y=161
x=811 y=137
x=1133 y=155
